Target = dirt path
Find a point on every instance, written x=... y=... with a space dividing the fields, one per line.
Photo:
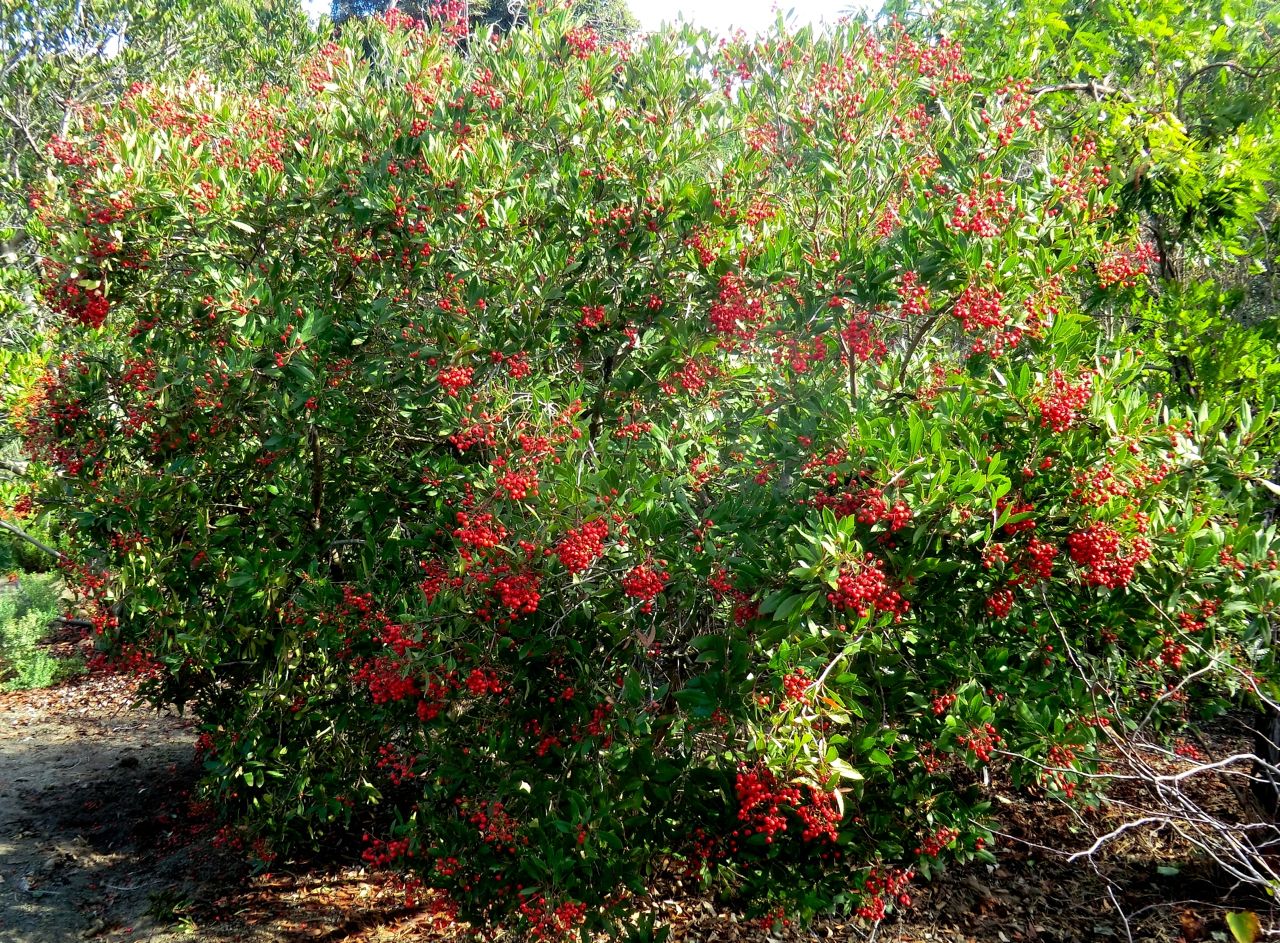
x=99 y=840
x=92 y=841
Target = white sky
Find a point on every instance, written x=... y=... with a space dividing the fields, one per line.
x=716 y=15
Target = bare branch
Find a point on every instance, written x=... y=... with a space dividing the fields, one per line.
x=31 y=540
x=1227 y=65
x=22 y=129
x=1099 y=90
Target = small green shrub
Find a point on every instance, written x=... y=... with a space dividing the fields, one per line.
x=24 y=620
x=19 y=555
x=39 y=592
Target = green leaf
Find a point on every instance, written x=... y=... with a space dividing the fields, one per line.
x=1244 y=926
x=844 y=769
x=789 y=605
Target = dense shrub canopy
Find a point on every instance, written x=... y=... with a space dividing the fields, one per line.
x=564 y=459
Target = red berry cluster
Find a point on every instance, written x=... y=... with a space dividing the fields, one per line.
x=861 y=340
x=867 y=505
x=981 y=214
x=1041 y=556
x=582 y=40
x=1062 y=402
x=774 y=918
x=386 y=680
x=981 y=740
x=480 y=682
x=518 y=366
x=693 y=376
x=632 y=430
x=1063 y=759
x=69 y=153
x=88 y=306
x=494 y=825
x=914 y=295
x=993 y=555
x=397 y=637
x=599 y=719
x=434 y=578
x=399 y=767
x=1188 y=751
x=518 y=593
x=880 y=888
x=22 y=508
x=932 y=844
x=1080 y=174
x=454 y=379
x=1024 y=507
x=592 y=316
x=382 y=854
x=734 y=314
x=580 y=548
x=1198 y=619
x=978 y=308
x=1172 y=652
x=519 y=484
x=644 y=583
x=819 y=817
x=1000 y=603
x=483 y=531
x=794 y=686
x=762 y=802
x=1099 y=550
x=864 y=588
x=551 y=923
x=132 y=661
x=1121 y=265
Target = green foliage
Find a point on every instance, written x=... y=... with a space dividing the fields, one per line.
x=611 y=19
x=559 y=460
x=63 y=55
x=38 y=592
x=1245 y=927
x=1183 y=100
x=58 y=57
x=25 y=615
x=18 y=555
x=1209 y=354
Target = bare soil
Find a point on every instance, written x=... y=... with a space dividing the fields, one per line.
x=92 y=842
x=99 y=841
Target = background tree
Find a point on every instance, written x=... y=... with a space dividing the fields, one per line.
x=611 y=19
x=1183 y=99
x=61 y=58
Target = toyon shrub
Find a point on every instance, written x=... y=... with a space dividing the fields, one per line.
x=555 y=461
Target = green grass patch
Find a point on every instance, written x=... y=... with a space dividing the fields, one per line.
x=24 y=623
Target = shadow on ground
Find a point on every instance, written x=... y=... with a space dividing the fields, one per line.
x=95 y=841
